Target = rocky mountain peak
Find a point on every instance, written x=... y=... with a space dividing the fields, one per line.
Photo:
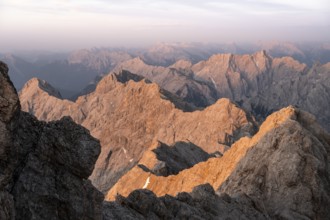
x=182 y=64
x=138 y=60
x=217 y=170
x=42 y=85
x=291 y=178
x=128 y=116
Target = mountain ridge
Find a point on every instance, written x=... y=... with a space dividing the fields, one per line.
x=290 y=179
x=134 y=114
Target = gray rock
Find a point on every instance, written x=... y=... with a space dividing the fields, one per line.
x=44 y=166
x=291 y=178
x=202 y=203
x=7 y=207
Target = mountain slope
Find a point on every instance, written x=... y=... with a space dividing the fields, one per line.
x=292 y=176
x=285 y=166
x=128 y=116
x=177 y=79
x=262 y=84
x=258 y=82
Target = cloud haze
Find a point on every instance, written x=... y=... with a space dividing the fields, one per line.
x=70 y=24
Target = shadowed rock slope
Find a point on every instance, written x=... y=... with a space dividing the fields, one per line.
x=201 y=203
x=44 y=166
x=284 y=168
x=128 y=116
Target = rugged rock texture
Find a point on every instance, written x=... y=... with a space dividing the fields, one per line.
x=262 y=84
x=292 y=175
x=43 y=86
x=128 y=116
x=44 y=166
x=178 y=79
x=9 y=112
x=284 y=168
x=257 y=82
x=202 y=203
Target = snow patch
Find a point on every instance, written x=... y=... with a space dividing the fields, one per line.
x=215 y=85
x=147 y=183
x=125 y=151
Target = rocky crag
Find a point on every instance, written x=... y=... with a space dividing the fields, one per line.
x=258 y=82
x=129 y=114
x=44 y=166
x=283 y=169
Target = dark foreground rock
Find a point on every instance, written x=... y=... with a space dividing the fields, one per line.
x=44 y=166
x=201 y=203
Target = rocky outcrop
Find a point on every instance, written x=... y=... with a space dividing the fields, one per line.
x=9 y=112
x=201 y=203
x=177 y=79
x=41 y=85
x=284 y=169
x=44 y=166
x=262 y=84
x=128 y=116
x=292 y=175
x=258 y=82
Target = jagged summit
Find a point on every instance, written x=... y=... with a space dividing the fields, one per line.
x=258 y=82
x=123 y=77
x=127 y=117
x=284 y=167
x=36 y=83
x=291 y=177
x=182 y=64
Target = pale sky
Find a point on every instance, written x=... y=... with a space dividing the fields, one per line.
x=73 y=24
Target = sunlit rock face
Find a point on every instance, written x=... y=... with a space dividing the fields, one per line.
x=127 y=114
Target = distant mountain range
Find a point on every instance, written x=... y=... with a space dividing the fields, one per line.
x=81 y=67
x=257 y=82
